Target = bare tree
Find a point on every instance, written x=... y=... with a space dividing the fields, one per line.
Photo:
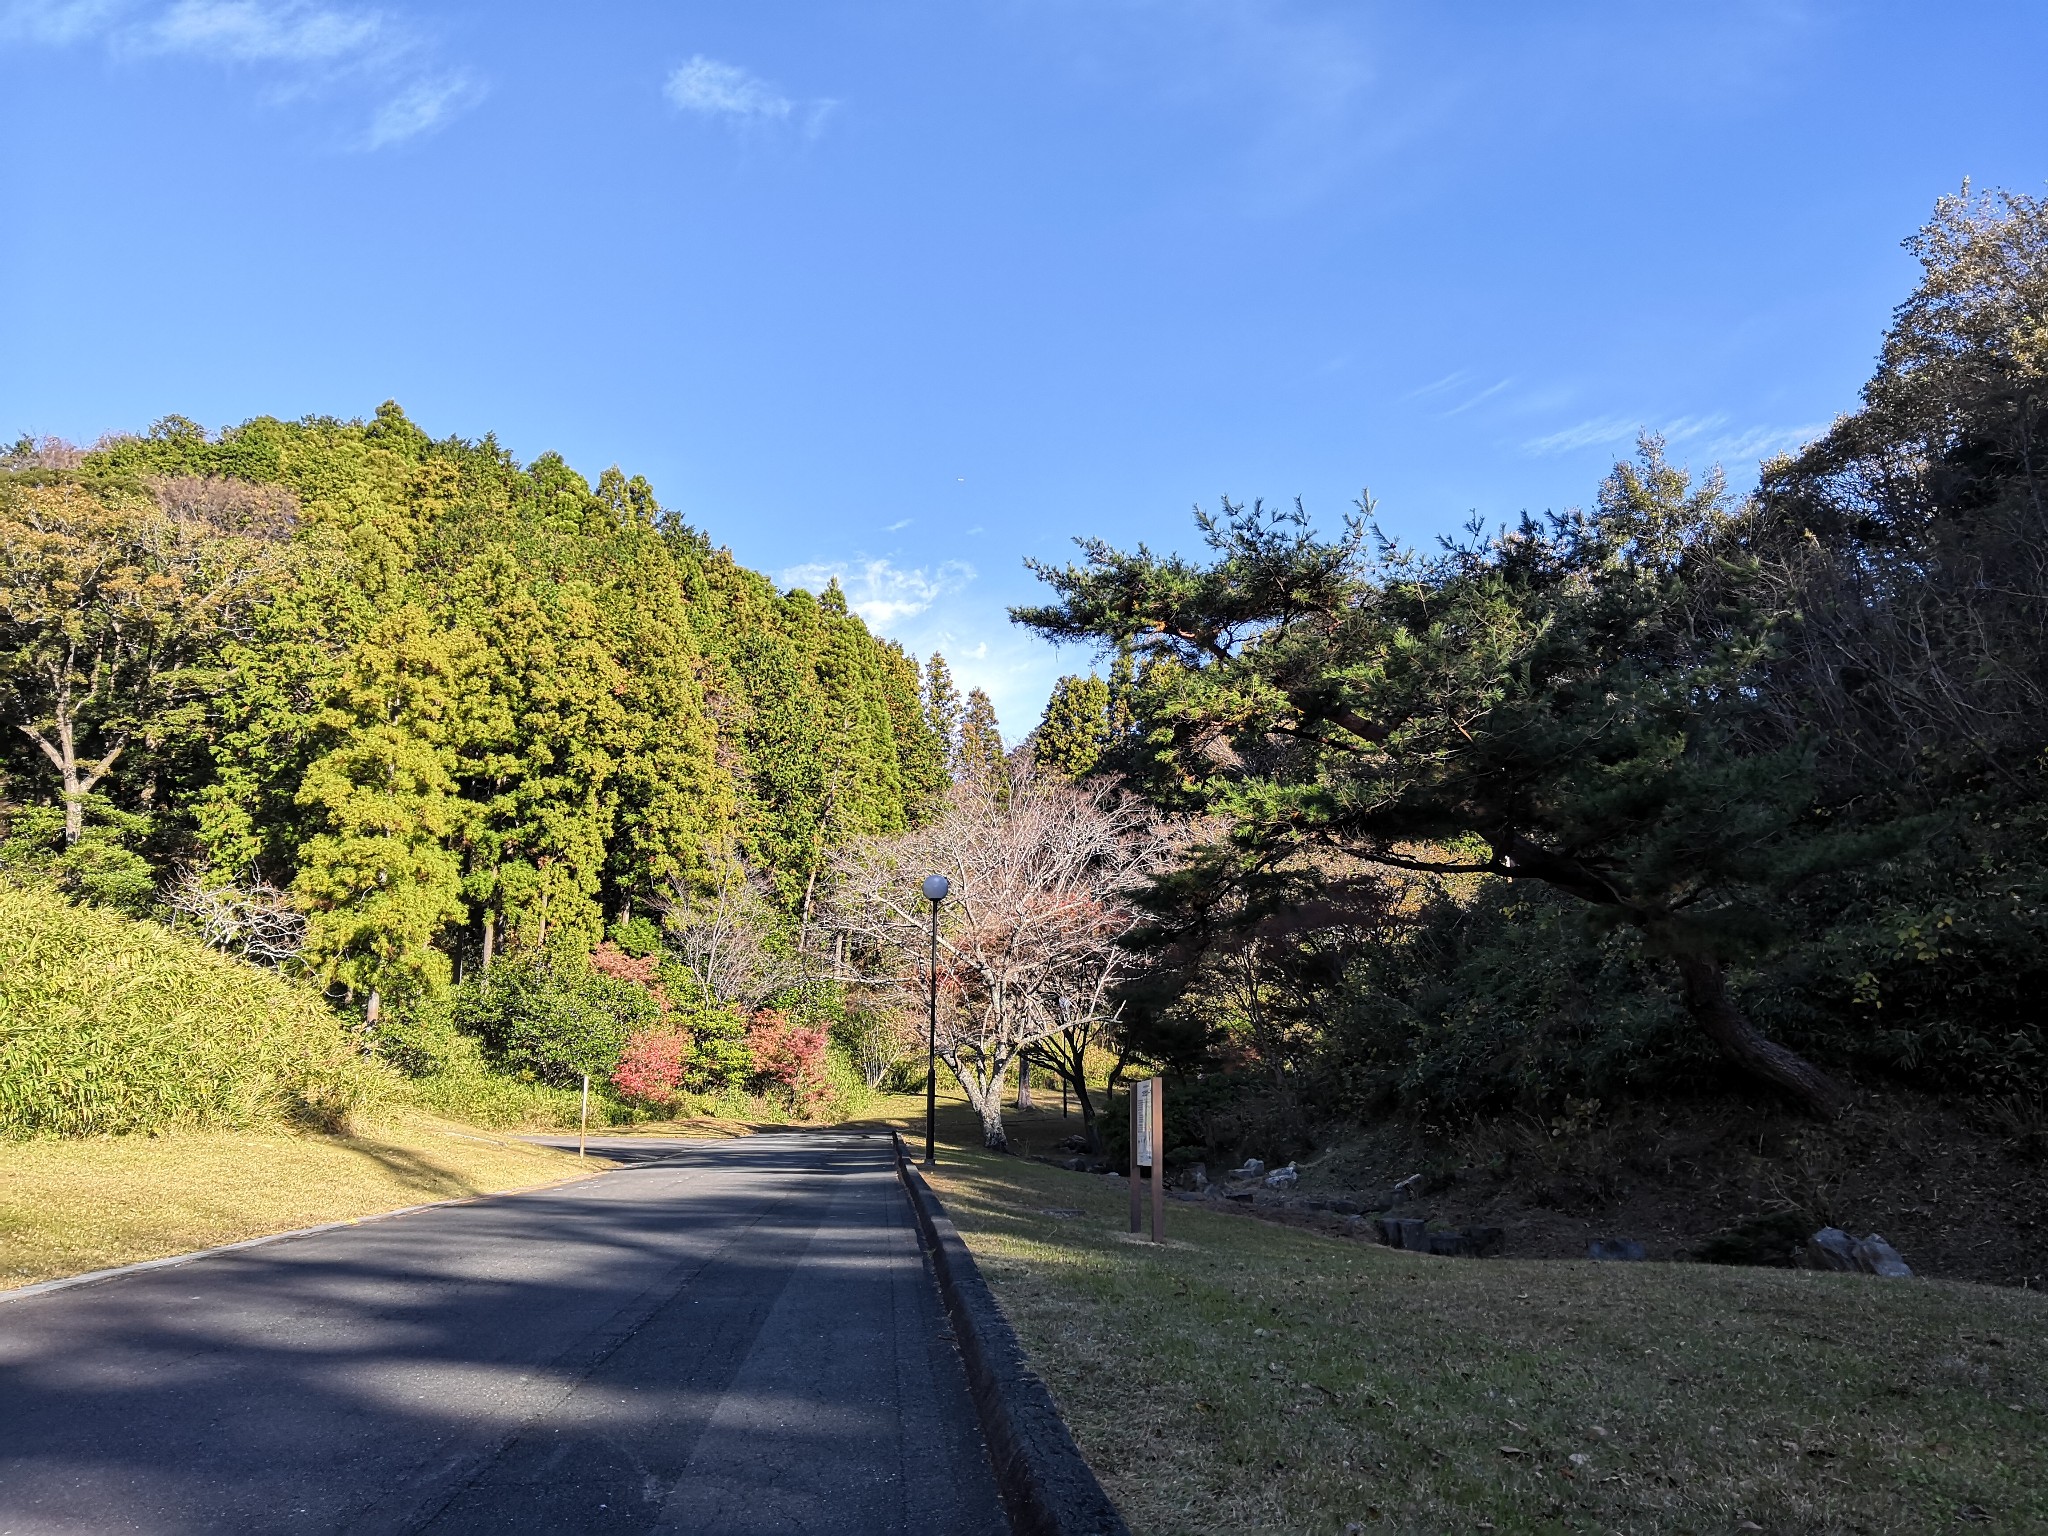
x=1043 y=878
x=726 y=939
x=256 y=921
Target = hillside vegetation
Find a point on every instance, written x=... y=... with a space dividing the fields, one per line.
x=109 y=1026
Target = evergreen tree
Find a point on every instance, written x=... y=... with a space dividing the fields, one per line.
x=1075 y=730
x=942 y=706
x=981 y=758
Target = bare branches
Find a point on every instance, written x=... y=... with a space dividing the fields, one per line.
x=255 y=921
x=1043 y=882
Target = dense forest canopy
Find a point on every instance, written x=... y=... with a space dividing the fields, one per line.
x=450 y=704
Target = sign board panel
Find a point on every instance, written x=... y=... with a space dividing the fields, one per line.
x=1144 y=1125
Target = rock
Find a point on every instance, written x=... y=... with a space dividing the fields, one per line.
x=1407 y=1186
x=1283 y=1178
x=1063 y=1212
x=1616 y=1250
x=1345 y=1208
x=1875 y=1256
x=1201 y=1176
x=1450 y=1245
x=1832 y=1248
x=1487 y=1242
x=1407 y=1232
x=1241 y=1196
x=1251 y=1170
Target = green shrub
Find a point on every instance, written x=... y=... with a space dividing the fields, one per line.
x=551 y=1015
x=111 y=1025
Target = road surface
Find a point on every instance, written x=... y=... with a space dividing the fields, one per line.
x=731 y=1337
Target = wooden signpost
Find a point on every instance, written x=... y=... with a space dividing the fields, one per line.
x=1148 y=1150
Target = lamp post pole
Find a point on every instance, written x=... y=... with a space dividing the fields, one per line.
x=935 y=888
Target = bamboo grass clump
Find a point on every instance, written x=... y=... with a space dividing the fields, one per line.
x=109 y=1026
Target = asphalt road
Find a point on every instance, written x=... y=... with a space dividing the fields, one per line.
x=731 y=1337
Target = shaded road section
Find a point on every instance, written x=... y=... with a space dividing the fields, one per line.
x=723 y=1337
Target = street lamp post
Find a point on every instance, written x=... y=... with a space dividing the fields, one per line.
x=935 y=888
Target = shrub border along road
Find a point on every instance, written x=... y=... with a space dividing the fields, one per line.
x=1047 y=1487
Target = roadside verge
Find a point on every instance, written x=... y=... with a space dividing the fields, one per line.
x=1047 y=1487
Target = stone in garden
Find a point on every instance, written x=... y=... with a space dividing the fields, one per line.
x=1251 y=1170
x=1283 y=1178
x=1241 y=1196
x=1832 y=1248
x=1875 y=1256
x=1486 y=1241
x=1201 y=1176
x=1345 y=1208
x=1409 y=1232
x=1450 y=1245
x=1616 y=1250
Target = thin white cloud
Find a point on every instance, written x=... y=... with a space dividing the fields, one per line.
x=1748 y=445
x=880 y=591
x=55 y=23
x=300 y=48
x=898 y=526
x=1485 y=394
x=712 y=88
x=421 y=108
x=1762 y=442
x=254 y=32
x=1587 y=434
x=717 y=89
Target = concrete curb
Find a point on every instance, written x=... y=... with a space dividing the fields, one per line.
x=1046 y=1486
x=95 y=1276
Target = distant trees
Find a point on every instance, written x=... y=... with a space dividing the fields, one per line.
x=1043 y=879
x=114 y=600
x=459 y=707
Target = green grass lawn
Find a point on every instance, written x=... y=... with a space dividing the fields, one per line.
x=1250 y=1376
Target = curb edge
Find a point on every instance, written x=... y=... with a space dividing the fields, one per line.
x=1047 y=1488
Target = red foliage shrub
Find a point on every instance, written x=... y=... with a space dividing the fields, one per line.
x=652 y=1066
x=789 y=1054
x=642 y=970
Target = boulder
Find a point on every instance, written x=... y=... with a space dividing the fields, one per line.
x=1450 y=1245
x=1252 y=1169
x=1875 y=1256
x=1241 y=1196
x=1201 y=1176
x=1407 y=1232
x=1616 y=1250
x=1283 y=1178
x=1832 y=1248
x=1345 y=1208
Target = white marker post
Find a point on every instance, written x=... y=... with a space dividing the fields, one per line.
x=1148 y=1139
x=583 y=1125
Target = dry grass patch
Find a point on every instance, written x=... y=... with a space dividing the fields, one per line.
x=68 y=1206
x=1256 y=1377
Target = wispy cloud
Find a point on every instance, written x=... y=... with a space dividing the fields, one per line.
x=880 y=591
x=898 y=526
x=1484 y=395
x=711 y=88
x=1587 y=434
x=300 y=48
x=1762 y=442
x=1731 y=447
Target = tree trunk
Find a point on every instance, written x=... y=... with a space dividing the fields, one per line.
x=985 y=1093
x=375 y=1007
x=1707 y=1000
x=1024 y=1085
x=490 y=937
x=993 y=1135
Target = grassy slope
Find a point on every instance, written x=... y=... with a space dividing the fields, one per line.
x=67 y=1206
x=1249 y=1376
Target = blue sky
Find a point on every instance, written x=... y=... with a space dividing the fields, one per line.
x=908 y=290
